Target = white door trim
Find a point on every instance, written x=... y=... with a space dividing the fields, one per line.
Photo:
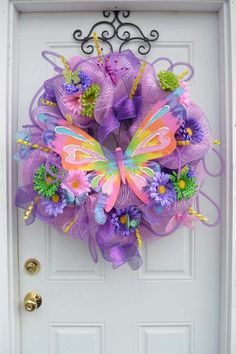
x=9 y=13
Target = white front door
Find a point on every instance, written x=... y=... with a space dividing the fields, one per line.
x=169 y=306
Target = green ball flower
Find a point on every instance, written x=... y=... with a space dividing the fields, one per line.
x=44 y=183
x=185 y=186
x=88 y=100
x=168 y=81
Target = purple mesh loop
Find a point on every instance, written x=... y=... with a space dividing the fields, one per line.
x=174 y=65
x=51 y=111
x=222 y=166
x=45 y=54
x=215 y=205
x=187 y=65
x=152 y=220
x=163 y=59
x=33 y=101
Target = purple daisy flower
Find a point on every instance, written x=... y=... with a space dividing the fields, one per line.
x=191 y=130
x=55 y=204
x=126 y=220
x=161 y=190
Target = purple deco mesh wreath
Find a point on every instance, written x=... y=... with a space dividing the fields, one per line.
x=146 y=188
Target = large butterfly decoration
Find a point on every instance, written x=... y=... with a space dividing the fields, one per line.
x=153 y=139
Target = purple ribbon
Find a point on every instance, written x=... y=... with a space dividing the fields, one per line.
x=124 y=109
x=115 y=249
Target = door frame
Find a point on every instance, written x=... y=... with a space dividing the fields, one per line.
x=9 y=23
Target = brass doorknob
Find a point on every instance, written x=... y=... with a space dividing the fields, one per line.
x=32 y=301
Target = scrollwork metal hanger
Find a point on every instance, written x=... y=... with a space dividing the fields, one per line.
x=119 y=29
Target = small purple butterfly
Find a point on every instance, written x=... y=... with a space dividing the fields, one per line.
x=110 y=66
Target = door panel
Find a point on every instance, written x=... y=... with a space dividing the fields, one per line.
x=169 y=306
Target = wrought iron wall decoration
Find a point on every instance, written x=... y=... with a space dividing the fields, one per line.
x=117 y=29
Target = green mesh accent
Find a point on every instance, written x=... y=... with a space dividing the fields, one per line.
x=189 y=186
x=168 y=81
x=88 y=100
x=43 y=185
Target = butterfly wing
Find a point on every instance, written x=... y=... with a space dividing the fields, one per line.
x=137 y=176
x=107 y=182
x=155 y=136
x=79 y=151
x=153 y=139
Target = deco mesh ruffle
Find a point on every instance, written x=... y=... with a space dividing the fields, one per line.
x=114 y=154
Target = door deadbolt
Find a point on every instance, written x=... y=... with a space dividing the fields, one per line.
x=32 y=266
x=32 y=301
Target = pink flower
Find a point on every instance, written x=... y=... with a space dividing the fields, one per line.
x=73 y=102
x=184 y=98
x=76 y=182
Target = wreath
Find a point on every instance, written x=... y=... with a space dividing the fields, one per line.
x=114 y=154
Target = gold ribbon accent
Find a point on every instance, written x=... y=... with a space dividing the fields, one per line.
x=216 y=142
x=183 y=74
x=65 y=63
x=183 y=142
x=48 y=103
x=28 y=212
x=97 y=46
x=137 y=80
x=33 y=146
x=69 y=226
x=139 y=238
x=197 y=215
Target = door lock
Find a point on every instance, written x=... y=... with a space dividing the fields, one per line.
x=32 y=301
x=32 y=266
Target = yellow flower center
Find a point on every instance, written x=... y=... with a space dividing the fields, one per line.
x=123 y=219
x=182 y=184
x=90 y=99
x=162 y=189
x=189 y=131
x=49 y=179
x=75 y=184
x=55 y=198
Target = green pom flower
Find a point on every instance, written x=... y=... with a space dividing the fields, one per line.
x=185 y=186
x=168 y=81
x=45 y=184
x=88 y=100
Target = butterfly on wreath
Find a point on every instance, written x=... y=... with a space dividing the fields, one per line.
x=153 y=139
x=111 y=67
